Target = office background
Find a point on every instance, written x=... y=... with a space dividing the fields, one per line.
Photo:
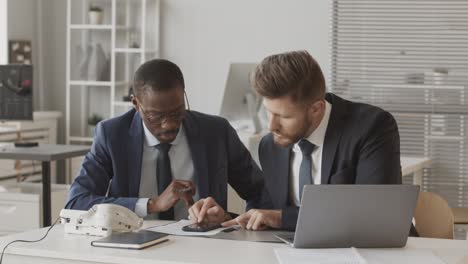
x=204 y=37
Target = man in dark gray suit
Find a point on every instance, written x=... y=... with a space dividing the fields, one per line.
x=160 y=156
x=316 y=138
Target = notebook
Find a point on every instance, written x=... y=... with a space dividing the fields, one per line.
x=131 y=240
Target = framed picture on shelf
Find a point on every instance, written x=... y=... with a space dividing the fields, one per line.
x=19 y=52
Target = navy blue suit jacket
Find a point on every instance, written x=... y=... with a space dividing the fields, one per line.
x=362 y=146
x=218 y=156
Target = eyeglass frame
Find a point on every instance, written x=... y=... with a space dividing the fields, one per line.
x=176 y=115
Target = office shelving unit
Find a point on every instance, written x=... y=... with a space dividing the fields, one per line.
x=127 y=37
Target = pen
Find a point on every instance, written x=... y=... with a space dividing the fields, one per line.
x=184 y=190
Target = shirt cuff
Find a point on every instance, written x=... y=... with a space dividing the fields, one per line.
x=141 y=207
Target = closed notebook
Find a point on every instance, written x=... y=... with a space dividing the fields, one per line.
x=131 y=240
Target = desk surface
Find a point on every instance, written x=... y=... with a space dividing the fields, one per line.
x=43 y=152
x=410 y=165
x=460 y=215
x=63 y=248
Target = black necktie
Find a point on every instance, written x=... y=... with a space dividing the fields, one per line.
x=305 y=171
x=164 y=176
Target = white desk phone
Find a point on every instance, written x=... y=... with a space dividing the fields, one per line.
x=100 y=220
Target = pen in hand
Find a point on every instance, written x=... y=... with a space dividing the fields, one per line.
x=190 y=201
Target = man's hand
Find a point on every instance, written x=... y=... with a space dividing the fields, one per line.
x=256 y=219
x=178 y=189
x=207 y=210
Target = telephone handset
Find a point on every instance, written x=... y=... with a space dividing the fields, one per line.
x=100 y=220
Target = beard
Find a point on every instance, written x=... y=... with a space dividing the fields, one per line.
x=287 y=139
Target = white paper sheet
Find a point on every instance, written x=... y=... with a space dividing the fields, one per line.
x=321 y=256
x=176 y=229
x=399 y=255
x=357 y=256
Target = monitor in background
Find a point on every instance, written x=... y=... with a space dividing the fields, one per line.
x=241 y=105
x=16 y=102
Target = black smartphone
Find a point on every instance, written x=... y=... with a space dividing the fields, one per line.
x=201 y=227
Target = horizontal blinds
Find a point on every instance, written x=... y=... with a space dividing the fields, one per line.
x=410 y=58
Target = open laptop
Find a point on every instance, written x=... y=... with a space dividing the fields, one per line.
x=365 y=216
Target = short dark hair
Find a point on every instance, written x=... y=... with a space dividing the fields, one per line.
x=157 y=75
x=294 y=74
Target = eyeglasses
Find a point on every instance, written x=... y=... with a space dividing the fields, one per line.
x=159 y=118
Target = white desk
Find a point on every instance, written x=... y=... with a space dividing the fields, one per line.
x=412 y=166
x=66 y=248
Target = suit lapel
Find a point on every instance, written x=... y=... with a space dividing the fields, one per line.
x=332 y=136
x=192 y=130
x=135 y=151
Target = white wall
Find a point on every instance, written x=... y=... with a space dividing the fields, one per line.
x=3 y=32
x=203 y=37
x=22 y=21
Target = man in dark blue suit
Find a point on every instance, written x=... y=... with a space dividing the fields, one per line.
x=316 y=138
x=160 y=156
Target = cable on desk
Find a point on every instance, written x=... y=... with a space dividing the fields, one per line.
x=28 y=241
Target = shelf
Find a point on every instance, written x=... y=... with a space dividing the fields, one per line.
x=81 y=139
x=89 y=26
x=97 y=83
x=123 y=83
x=124 y=28
x=90 y=83
x=133 y=50
x=125 y=22
x=98 y=27
x=122 y=103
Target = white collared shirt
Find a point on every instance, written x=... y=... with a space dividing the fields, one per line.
x=181 y=167
x=317 y=138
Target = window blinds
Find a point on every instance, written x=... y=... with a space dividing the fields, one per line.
x=410 y=58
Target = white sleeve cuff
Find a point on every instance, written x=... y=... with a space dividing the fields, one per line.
x=141 y=207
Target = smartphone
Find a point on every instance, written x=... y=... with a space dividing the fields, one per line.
x=201 y=227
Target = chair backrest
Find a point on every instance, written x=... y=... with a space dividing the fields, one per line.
x=433 y=216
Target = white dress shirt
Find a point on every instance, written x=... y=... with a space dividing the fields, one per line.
x=317 y=138
x=181 y=167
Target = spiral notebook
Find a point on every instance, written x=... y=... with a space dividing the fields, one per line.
x=131 y=240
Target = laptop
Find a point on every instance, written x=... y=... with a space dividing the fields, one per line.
x=365 y=216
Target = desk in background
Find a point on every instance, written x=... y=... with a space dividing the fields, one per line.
x=59 y=247
x=414 y=166
x=44 y=153
x=42 y=129
x=461 y=219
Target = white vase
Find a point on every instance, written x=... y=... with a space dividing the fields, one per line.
x=91 y=130
x=95 y=17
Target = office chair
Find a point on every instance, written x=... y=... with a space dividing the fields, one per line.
x=433 y=216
